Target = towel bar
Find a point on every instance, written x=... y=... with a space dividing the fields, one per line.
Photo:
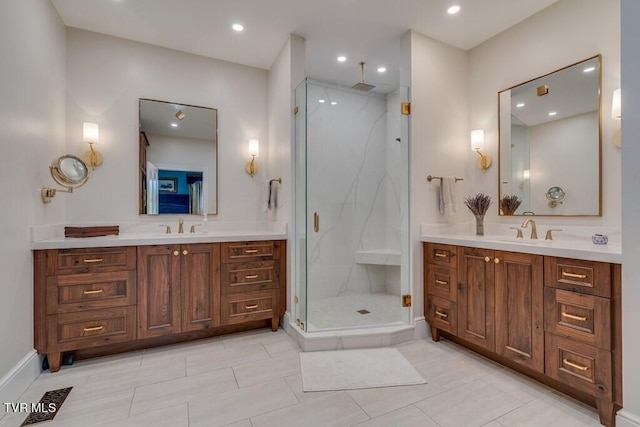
x=431 y=178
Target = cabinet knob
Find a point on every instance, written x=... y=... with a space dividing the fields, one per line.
x=185 y=252
x=496 y=260
x=487 y=259
x=176 y=253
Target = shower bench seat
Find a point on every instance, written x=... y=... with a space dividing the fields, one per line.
x=378 y=257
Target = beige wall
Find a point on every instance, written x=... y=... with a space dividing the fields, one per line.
x=630 y=209
x=32 y=45
x=105 y=78
x=439 y=132
x=562 y=34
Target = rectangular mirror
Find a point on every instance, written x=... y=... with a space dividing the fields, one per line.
x=550 y=143
x=177 y=158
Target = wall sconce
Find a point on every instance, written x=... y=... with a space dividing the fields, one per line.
x=254 y=149
x=91 y=135
x=616 y=113
x=477 y=144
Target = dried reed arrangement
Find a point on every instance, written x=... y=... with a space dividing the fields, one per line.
x=509 y=204
x=478 y=204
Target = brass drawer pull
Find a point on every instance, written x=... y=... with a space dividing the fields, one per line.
x=440 y=255
x=441 y=282
x=441 y=314
x=94 y=260
x=487 y=259
x=573 y=275
x=251 y=307
x=97 y=328
x=574 y=317
x=99 y=291
x=252 y=276
x=575 y=365
x=250 y=251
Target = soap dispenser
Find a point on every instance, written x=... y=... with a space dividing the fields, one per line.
x=204 y=223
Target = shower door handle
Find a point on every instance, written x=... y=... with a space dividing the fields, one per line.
x=316 y=222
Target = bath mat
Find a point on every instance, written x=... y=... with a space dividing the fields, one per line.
x=354 y=369
x=48 y=406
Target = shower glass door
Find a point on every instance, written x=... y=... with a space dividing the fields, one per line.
x=352 y=208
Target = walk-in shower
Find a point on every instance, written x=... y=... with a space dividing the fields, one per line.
x=351 y=249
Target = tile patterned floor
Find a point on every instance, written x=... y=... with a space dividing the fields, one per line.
x=253 y=379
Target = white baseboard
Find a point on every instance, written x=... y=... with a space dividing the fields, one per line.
x=18 y=379
x=625 y=418
x=422 y=328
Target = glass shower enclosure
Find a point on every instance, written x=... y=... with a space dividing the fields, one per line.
x=351 y=208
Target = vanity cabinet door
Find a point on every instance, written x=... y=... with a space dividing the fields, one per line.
x=476 y=296
x=158 y=290
x=200 y=284
x=519 y=308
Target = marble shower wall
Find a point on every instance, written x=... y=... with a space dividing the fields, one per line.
x=354 y=177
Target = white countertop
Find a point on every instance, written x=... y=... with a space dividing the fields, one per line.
x=140 y=236
x=575 y=246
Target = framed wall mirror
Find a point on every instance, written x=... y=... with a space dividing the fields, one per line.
x=178 y=156
x=550 y=142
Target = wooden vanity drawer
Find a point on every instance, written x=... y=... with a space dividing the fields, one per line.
x=439 y=254
x=88 y=260
x=586 y=318
x=249 y=276
x=79 y=292
x=579 y=365
x=588 y=277
x=239 y=308
x=442 y=282
x=93 y=327
x=247 y=251
x=442 y=314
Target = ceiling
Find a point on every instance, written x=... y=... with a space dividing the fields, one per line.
x=362 y=30
x=571 y=92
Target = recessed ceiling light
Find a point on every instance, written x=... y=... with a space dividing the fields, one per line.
x=382 y=69
x=321 y=101
x=334 y=103
x=453 y=10
x=341 y=58
x=174 y=125
x=588 y=70
x=237 y=27
x=520 y=105
x=553 y=113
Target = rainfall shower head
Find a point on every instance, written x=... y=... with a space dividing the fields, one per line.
x=362 y=85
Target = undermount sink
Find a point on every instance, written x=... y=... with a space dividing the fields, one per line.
x=516 y=240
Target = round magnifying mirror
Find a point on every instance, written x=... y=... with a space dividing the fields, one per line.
x=555 y=196
x=70 y=171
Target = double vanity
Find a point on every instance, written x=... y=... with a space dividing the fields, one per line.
x=549 y=309
x=110 y=294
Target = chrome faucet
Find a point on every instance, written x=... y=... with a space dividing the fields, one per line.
x=534 y=231
x=180 y=226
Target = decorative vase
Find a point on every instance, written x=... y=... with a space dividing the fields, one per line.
x=479 y=225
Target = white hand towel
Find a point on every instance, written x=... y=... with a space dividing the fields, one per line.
x=448 y=196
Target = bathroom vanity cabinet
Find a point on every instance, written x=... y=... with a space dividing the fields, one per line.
x=179 y=288
x=555 y=319
x=97 y=301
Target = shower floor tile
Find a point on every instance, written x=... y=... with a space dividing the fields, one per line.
x=354 y=310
